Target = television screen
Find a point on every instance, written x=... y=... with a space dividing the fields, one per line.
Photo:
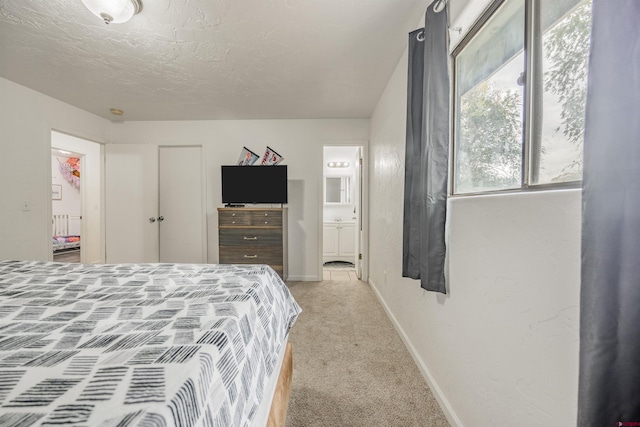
x=254 y=184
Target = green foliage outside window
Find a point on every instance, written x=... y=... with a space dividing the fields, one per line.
x=490 y=117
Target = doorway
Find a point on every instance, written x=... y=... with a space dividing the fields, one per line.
x=76 y=199
x=342 y=213
x=182 y=225
x=155 y=210
x=66 y=205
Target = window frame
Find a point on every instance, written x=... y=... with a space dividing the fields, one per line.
x=530 y=144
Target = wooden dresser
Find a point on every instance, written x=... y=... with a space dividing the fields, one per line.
x=254 y=236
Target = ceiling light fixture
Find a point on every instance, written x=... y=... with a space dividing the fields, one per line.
x=116 y=11
x=116 y=112
x=338 y=164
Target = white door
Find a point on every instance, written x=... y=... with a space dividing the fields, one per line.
x=131 y=198
x=357 y=199
x=181 y=213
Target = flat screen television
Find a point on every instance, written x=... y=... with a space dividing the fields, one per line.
x=254 y=184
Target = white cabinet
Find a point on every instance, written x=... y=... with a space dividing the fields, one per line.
x=347 y=240
x=331 y=239
x=339 y=242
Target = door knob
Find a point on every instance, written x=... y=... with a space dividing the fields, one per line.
x=160 y=218
x=152 y=220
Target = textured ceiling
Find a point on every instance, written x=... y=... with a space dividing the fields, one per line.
x=210 y=59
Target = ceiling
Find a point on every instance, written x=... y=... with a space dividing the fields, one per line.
x=210 y=59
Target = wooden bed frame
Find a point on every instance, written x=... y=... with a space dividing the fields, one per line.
x=280 y=402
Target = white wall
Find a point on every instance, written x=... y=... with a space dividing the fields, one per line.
x=300 y=142
x=91 y=194
x=26 y=120
x=502 y=347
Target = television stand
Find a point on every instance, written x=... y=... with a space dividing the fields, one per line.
x=231 y=205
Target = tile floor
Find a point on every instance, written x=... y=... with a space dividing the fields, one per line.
x=340 y=274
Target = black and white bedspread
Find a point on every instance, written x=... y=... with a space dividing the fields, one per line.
x=138 y=345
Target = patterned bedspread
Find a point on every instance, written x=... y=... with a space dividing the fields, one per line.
x=138 y=344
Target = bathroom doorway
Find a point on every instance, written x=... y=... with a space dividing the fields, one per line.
x=342 y=213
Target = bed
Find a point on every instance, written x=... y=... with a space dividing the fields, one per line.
x=66 y=233
x=142 y=344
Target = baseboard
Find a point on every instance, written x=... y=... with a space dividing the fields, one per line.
x=452 y=417
x=291 y=278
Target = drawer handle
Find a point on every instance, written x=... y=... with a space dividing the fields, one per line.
x=266 y=222
x=233 y=222
x=250 y=238
x=266 y=214
x=233 y=214
x=251 y=256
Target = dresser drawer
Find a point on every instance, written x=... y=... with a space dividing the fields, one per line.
x=233 y=218
x=266 y=218
x=251 y=237
x=250 y=255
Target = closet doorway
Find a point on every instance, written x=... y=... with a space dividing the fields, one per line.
x=76 y=199
x=155 y=208
x=182 y=232
x=342 y=213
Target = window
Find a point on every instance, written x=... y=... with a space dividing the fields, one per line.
x=520 y=94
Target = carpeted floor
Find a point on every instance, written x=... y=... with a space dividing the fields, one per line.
x=350 y=367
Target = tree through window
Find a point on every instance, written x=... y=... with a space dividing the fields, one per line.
x=491 y=121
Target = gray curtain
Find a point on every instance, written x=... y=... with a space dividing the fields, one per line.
x=413 y=187
x=427 y=153
x=609 y=390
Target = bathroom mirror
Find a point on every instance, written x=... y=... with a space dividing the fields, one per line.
x=337 y=190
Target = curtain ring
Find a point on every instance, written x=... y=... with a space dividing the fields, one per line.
x=439 y=5
x=420 y=36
